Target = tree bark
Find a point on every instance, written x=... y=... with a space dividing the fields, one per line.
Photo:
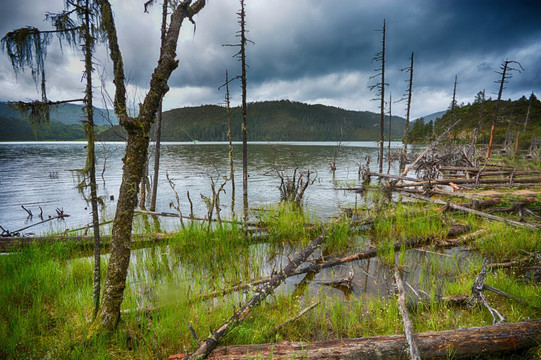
x=470 y=342
x=136 y=153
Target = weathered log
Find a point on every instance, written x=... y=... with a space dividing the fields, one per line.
x=298 y=316
x=395 y=177
x=12 y=243
x=470 y=342
x=344 y=282
x=517 y=206
x=481 y=204
x=446 y=243
x=472 y=211
x=408 y=327
x=212 y=341
x=176 y=215
x=478 y=296
x=526 y=180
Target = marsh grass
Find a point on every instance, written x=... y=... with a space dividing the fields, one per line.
x=46 y=304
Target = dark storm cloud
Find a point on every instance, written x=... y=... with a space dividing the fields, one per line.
x=322 y=51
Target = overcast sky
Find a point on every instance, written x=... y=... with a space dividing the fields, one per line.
x=313 y=51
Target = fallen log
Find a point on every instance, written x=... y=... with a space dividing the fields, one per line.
x=408 y=327
x=213 y=339
x=517 y=206
x=526 y=180
x=176 y=215
x=481 y=204
x=298 y=316
x=453 y=231
x=472 y=211
x=447 y=243
x=470 y=342
x=13 y=243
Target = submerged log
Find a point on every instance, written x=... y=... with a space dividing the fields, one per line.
x=471 y=342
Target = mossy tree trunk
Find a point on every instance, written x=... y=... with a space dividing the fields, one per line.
x=138 y=130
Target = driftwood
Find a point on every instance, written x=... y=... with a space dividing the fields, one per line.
x=485 y=171
x=470 y=342
x=478 y=296
x=473 y=211
x=176 y=215
x=212 y=341
x=453 y=231
x=298 y=316
x=446 y=243
x=481 y=204
x=408 y=327
x=526 y=180
x=344 y=282
x=518 y=206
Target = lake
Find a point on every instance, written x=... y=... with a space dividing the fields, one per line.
x=42 y=174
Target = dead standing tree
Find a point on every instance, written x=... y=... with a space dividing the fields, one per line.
x=506 y=75
x=380 y=86
x=27 y=47
x=408 y=108
x=241 y=55
x=230 y=138
x=137 y=129
x=158 y=126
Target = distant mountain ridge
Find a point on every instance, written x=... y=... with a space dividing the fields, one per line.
x=66 y=114
x=281 y=120
x=433 y=116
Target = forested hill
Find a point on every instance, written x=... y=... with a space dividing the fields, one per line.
x=65 y=124
x=65 y=114
x=511 y=119
x=271 y=121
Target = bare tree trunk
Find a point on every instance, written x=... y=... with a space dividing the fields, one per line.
x=505 y=78
x=390 y=131
x=406 y=131
x=136 y=153
x=158 y=128
x=382 y=106
x=91 y=157
x=230 y=137
x=243 y=40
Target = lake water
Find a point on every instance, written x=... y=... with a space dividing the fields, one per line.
x=41 y=174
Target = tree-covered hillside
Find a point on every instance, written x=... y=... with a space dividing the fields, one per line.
x=271 y=120
x=66 y=114
x=65 y=124
x=479 y=114
x=20 y=130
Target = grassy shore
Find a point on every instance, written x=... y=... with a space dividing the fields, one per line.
x=46 y=290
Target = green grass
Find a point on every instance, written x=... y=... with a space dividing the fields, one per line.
x=46 y=290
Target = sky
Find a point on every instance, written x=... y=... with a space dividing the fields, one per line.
x=311 y=51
